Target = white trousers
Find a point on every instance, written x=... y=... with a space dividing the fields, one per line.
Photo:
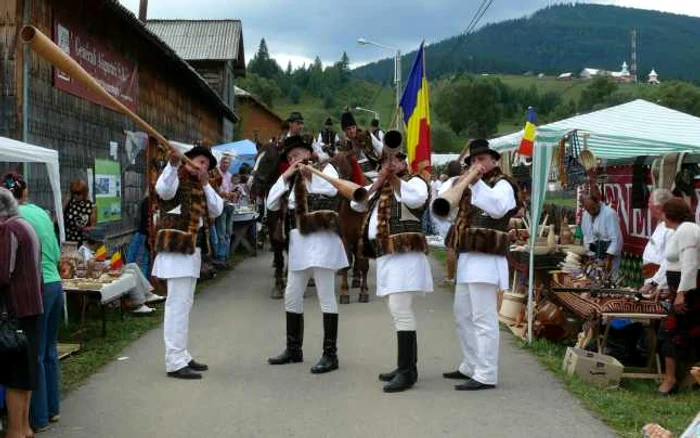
x=476 y=316
x=177 y=321
x=401 y=308
x=325 y=287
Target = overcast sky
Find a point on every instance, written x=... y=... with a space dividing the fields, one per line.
x=301 y=29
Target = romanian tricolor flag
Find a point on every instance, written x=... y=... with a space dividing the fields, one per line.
x=101 y=254
x=116 y=260
x=415 y=105
x=528 y=141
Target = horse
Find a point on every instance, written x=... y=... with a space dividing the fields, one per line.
x=264 y=178
x=351 y=225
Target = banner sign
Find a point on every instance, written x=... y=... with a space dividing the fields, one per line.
x=117 y=74
x=637 y=224
x=108 y=190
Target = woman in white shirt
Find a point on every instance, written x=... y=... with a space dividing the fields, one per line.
x=680 y=337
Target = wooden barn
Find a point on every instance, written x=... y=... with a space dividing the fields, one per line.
x=41 y=105
x=258 y=122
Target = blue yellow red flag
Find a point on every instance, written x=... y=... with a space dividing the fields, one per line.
x=528 y=141
x=415 y=104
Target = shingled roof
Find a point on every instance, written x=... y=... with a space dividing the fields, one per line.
x=182 y=65
x=203 y=40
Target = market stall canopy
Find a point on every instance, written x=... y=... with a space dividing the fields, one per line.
x=243 y=151
x=631 y=129
x=14 y=151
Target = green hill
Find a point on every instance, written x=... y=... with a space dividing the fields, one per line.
x=565 y=38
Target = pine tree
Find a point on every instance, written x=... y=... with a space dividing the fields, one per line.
x=344 y=68
x=262 y=64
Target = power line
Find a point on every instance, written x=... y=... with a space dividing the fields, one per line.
x=476 y=16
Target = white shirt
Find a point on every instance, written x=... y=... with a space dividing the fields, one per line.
x=655 y=252
x=172 y=264
x=322 y=249
x=476 y=267
x=318 y=146
x=604 y=227
x=682 y=254
x=406 y=272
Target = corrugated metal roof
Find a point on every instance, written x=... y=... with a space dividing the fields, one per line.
x=171 y=54
x=200 y=40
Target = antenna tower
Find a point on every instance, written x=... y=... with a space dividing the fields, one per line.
x=633 y=63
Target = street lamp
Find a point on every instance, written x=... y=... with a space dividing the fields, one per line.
x=397 y=64
x=376 y=114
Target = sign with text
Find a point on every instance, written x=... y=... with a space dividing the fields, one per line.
x=108 y=190
x=117 y=74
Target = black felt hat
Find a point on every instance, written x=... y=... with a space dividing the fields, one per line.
x=295 y=116
x=328 y=122
x=293 y=142
x=203 y=151
x=478 y=147
x=374 y=123
x=347 y=120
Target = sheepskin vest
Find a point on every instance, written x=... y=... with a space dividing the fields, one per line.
x=314 y=212
x=475 y=230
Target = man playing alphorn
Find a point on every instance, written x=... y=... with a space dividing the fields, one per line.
x=315 y=250
x=480 y=238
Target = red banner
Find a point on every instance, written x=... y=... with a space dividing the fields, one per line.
x=637 y=224
x=117 y=74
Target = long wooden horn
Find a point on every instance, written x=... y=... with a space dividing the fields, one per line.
x=450 y=199
x=347 y=189
x=44 y=47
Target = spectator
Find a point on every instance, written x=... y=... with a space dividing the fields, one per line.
x=680 y=337
x=223 y=223
x=79 y=212
x=139 y=249
x=20 y=287
x=46 y=398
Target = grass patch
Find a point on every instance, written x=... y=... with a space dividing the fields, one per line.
x=440 y=255
x=98 y=351
x=562 y=202
x=625 y=409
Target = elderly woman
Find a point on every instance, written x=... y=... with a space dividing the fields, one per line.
x=46 y=397
x=79 y=212
x=680 y=339
x=20 y=288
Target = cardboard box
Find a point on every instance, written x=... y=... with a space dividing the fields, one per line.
x=598 y=369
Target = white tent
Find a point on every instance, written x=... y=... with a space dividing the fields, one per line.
x=628 y=130
x=18 y=152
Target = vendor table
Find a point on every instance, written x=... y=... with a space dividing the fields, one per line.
x=244 y=232
x=519 y=261
x=599 y=313
x=103 y=295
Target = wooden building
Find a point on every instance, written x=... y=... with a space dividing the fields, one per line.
x=258 y=122
x=133 y=63
x=213 y=47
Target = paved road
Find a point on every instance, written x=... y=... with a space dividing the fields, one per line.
x=235 y=327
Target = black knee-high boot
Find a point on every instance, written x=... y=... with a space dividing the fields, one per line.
x=295 y=338
x=407 y=373
x=329 y=360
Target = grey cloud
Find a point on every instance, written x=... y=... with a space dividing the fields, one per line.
x=327 y=28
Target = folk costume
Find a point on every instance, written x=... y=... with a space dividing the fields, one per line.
x=654 y=257
x=325 y=143
x=480 y=238
x=185 y=206
x=366 y=147
x=315 y=251
x=393 y=235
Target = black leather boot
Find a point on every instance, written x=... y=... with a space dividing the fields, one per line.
x=329 y=360
x=295 y=338
x=407 y=374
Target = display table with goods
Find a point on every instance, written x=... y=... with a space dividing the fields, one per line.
x=92 y=283
x=244 y=229
x=584 y=289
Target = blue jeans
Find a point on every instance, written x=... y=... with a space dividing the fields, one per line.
x=224 y=230
x=138 y=253
x=46 y=398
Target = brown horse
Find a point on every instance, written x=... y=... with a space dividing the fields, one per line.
x=351 y=224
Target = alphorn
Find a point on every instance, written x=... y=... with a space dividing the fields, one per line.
x=46 y=48
x=450 y=199
x=392 y=141
x=347 y=189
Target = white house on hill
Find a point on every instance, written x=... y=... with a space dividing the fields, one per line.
x=653 y=78
x=588 y=73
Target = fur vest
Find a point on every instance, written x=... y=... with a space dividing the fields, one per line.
x=475 y=231
x=179 y=232
x=399 y=228
x=314 y=212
